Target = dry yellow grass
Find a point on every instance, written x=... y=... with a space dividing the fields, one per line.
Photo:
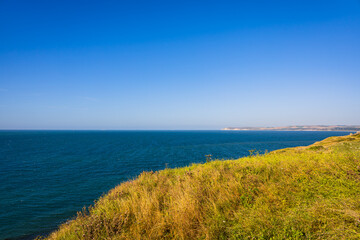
x=299 y=193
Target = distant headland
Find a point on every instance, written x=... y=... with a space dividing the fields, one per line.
x=350 y=128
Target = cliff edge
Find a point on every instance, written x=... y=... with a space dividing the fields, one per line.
x=309 y=192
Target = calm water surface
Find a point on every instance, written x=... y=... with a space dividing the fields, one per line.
x=47 y=176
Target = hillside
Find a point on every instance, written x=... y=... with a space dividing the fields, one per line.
x=297 y=193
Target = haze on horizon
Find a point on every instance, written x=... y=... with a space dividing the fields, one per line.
x=178 y=65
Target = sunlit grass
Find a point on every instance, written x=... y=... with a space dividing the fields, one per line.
x=298 y=193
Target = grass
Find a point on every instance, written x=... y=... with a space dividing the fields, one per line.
x=297 y=193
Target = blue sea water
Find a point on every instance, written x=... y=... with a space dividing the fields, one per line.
x=47 y=176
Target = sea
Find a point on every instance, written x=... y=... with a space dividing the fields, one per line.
x=46 y=177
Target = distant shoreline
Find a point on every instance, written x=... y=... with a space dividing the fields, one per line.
x=338 y=128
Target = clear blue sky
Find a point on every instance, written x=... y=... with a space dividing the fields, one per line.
x=178 y=64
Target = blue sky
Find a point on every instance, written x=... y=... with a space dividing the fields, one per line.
x=178 y=64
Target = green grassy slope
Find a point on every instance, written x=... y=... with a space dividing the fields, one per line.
x=297 y=193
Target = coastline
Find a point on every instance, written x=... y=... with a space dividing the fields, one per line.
x=45 y=148
x=312 y=164
x=334 y=128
